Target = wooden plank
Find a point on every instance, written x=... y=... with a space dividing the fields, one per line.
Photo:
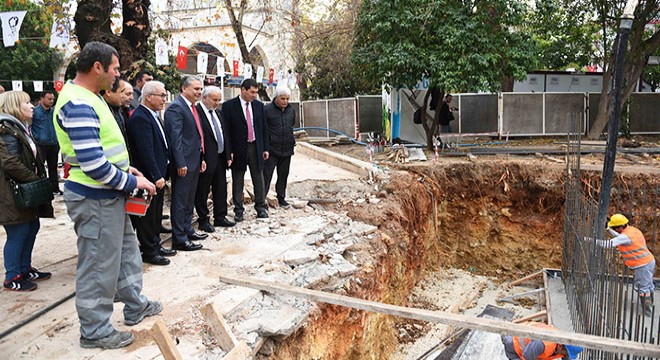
x=548 y=308
x=164 y=340
x=537 y=315
x=488 y=325
x=239 y=352
x=219 y=327
x=454 y=309
x=528 y=277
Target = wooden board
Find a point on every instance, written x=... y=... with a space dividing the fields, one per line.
x=493 y=326
x=164 y=340
x=219 y=327
x=526 y=278
x=240 y=352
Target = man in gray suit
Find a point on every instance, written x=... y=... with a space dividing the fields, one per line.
x=186 y=138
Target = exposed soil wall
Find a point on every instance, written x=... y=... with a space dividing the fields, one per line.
x=489 y=218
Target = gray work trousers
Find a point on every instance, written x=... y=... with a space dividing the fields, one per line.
x=108 y=259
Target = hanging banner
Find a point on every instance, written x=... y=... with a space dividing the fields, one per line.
x=271 y=75
x=181 y=58
x=11 y=26
x=38 y=86
x=162 y=55
x=59 y=35
x=247 y=71
x=260 y=74
x=59 y=84
x=280 y=78
x=17 y=85
x=292 y=81
x=221 y=66
x=202 y=62
x=235 y=67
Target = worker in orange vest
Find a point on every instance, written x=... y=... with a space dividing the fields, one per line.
x=529 y=349
x=637 y=257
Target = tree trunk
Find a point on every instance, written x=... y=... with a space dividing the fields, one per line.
x=93 y=24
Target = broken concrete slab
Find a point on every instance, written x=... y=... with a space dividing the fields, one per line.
x=299 y=257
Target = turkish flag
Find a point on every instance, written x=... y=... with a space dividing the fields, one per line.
x=181 y=57
x=235 y=67
x=271 y=74
x=59 y=84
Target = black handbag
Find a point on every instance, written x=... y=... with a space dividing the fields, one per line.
x=31 y=194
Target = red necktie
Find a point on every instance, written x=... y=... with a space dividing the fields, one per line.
x=199 y=125
x=249 y=123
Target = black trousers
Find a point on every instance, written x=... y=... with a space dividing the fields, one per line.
x=147 y=227
x=238 y=183
x=212 y=180
x=183 y=202
x=282 y=163
x=50 y=153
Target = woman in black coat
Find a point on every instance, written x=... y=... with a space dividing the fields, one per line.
x=280 y=118
x=21 y=162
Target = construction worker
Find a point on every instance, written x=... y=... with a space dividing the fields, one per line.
x=529 y=349
x=637 y=257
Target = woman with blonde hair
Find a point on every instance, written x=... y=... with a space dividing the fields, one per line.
x=20 y=162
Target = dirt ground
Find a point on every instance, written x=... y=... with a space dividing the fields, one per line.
x=444 y=228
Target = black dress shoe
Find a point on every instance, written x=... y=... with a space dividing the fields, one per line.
x=166 y=252
x=187 y=246
x=224 y=222
x=238 y=217
x=262 y=215
x=165 y=230
x=198 y=236
x=155 y=260
x=206 y=226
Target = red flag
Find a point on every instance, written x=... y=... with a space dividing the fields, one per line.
x=181 y=57
x=235 y=67
x=271 y=73
x=59 y=84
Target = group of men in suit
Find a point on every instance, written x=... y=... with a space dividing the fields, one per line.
x=195 y=144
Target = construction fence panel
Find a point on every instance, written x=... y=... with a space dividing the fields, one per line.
x=558 y=109
x=477 y=113
x=315 y=114
x=342 y=115
x=522 y=114
x=643 y=110
x=296 y=108
x=594 y=103
x=370 y=113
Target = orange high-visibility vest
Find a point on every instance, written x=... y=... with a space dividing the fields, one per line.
x=635 y=254
x=550 y=347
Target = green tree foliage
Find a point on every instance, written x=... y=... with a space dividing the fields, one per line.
x=30 y=58
x=459 y=45
x=565 y=34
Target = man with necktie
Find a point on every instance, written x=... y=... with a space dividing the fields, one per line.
x=149 y=148
x=218 y=159
x=249 y=144
x=184 y=133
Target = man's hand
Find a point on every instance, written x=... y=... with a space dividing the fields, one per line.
x=203 y=167
x=182 y=171
x=160 y=183
x=134 y=171
x=143 y=183
x=266 y=155
x=231 y=160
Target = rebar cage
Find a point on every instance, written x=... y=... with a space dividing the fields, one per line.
x=601 y=295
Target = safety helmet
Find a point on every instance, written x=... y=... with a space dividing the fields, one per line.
x=617 y=220
x=573 y=350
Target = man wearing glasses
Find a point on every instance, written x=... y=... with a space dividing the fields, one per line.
x=149 y=149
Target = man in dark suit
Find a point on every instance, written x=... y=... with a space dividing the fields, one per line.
x=217 y=155
x=184 y=132
x=150 y=155
x=249 y=143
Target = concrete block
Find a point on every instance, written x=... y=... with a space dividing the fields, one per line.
x=281 y=320
x=299 y=204
x=299 y=257
x=229 y=299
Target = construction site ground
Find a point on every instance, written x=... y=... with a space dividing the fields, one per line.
x=443 y=235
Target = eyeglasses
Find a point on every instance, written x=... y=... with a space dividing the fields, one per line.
x=164 y=96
